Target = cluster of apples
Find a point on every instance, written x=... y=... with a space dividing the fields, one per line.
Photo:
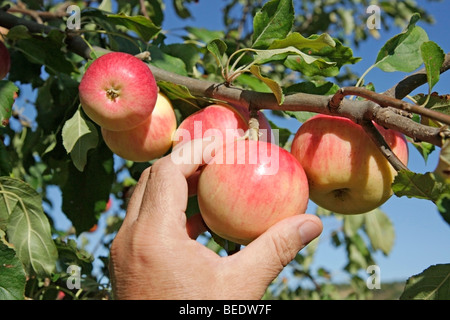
x=249 y=185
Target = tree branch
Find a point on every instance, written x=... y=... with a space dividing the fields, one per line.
x=388 y=101
x=357 y=111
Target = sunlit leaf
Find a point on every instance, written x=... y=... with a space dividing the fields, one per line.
x=274 y=21
x=431 y=284
x=402 y=52
x=28 y=228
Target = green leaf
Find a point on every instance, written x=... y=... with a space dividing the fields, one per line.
x=18 y=32
x=282 y=135
x=28 y=228
x=79 y=136
x=352 y=223
x=433 y=57
x=380 y=230
x=273 y=85
x=424 y=148
x=264 y=56
x=142 y=26
x=329 y=60
x=274 y=21
x=7 y=91
x=86 y=193
x=48 y=50
x=70 y=254
x=418 y=185
x=435 y=102
x=402 y=52
x=298 y=41
x=218 y=48
x=5 y=163
x=180 y=9
x=167 y=62
x=431 y=284
x=12 y=275
x=203 y=34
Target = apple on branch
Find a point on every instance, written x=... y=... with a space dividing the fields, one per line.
x=221 y=121
x=118 y=91
x=347 y=173
x=149 y=140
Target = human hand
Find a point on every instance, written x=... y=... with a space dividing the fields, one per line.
x=155 y=254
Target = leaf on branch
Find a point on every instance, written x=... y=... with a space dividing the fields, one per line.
x=203 y=34
x=380 y=230
x=79 y=136
x=436 y=102
x=433 y=57
x=167 y=62
x=268 y=55
x=298 y=41
x=431 y=284
x=402 y=52
x=424 y=186
x=141 y=25
x=418 y=185
x=7 y=93
x=27 y=227
x=85 y=193
x=272 y=84
x=217 y=47
x=48 y=50
x=330 y=60
x=12 y=275
x=5 y=163
x=274 y=21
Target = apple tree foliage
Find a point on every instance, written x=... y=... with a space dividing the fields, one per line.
x=279 y=47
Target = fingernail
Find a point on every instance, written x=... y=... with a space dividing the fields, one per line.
x=309 y=231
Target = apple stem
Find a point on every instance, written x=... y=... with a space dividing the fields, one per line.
x=253 y=125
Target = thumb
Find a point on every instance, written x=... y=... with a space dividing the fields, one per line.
x=265 y=257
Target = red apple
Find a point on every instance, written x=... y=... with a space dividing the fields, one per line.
x=149 y=140
x=347 y=173
x=5 y=60
x=247 y=187
x=118 y=91
x=264 y=125
x=221 y=121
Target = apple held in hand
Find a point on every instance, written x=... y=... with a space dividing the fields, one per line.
x=247 y=187
x=5 y=60
x=221 y=121
x=148 y=141
x=346 y=171
x=118 y=91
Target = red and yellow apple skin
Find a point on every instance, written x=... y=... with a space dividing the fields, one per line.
x=346 y=171
x=240 y=198
x=221 y=121
x=148 y=141
x=118 y=91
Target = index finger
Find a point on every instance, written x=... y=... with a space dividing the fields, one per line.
x=165 y=196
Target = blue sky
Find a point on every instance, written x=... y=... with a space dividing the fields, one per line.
x=422 y=237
